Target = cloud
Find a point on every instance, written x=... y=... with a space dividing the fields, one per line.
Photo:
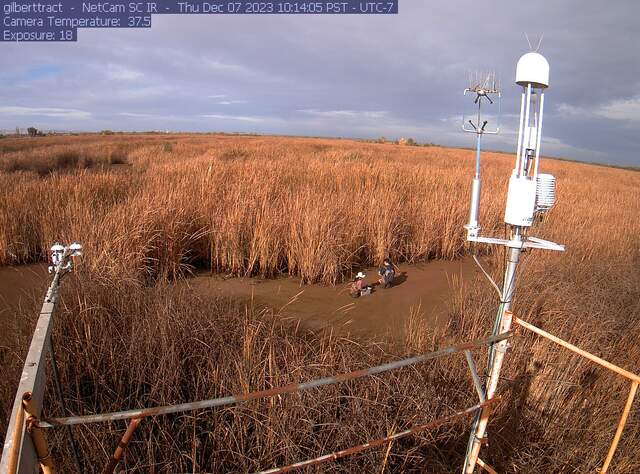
x=117 y=72
x=623 y=109
x=627 y=110
x=152 y=118
x=556 y=147
x=240 y=118
x=232 y=102
x=135 y=114
x=345 y=114
x=228 y=67
x=144 y=92
x=44 y=112
x=571 y=111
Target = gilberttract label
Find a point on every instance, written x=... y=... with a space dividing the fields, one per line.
x=60 y=21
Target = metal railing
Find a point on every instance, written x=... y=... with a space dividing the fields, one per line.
x=291 y=388
x=25 y=446
x=635 y=380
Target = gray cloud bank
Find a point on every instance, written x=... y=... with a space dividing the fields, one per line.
x=355 y=76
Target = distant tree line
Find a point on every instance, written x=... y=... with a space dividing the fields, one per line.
x=31 y=131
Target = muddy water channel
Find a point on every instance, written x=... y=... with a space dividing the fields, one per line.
x=422 y=290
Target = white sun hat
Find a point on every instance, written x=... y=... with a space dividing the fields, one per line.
x=360 y=275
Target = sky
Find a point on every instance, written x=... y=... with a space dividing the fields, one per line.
x=361 y=76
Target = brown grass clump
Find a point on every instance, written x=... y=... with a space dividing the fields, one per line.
x=44 y=161
x=318 y=209
x=134 y=347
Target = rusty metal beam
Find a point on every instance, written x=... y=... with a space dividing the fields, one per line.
x=122 y=445
x=13 y=451
x=621 y=425
x=379 y=442
x=30 y=393
x=486 y=467
x=606 y=364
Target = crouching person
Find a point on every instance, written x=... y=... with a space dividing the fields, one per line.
x=358 y=288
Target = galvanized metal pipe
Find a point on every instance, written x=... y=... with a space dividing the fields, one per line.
x=506 y=295
x=523 y=155
x=291 y=388
x=492 y=385
x=539 y=137
x=474 y=376
x=520 y=133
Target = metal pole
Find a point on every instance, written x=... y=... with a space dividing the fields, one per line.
x=474 y=376
x=520 y=132
x=378 y=442
x=24 y=441
x=595 y=359
x=623 y=421
x=478 y=143
x=477 y=436
x=122 y=445
x=525 y=142
x=539 y=130
x=493 y=367
x=474 y=208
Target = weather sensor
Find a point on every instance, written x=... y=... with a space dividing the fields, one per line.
x=483 y=88
x=529 y=193
x=62 y=258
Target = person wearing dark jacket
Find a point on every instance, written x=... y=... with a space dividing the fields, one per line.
x=387 y=273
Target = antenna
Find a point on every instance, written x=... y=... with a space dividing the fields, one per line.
x=529 y=42
x=486 y=88
x=529 y=193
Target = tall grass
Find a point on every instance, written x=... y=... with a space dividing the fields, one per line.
x=276 y=207
x=318 y=209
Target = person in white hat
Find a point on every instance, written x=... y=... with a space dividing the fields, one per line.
x=358 y=288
